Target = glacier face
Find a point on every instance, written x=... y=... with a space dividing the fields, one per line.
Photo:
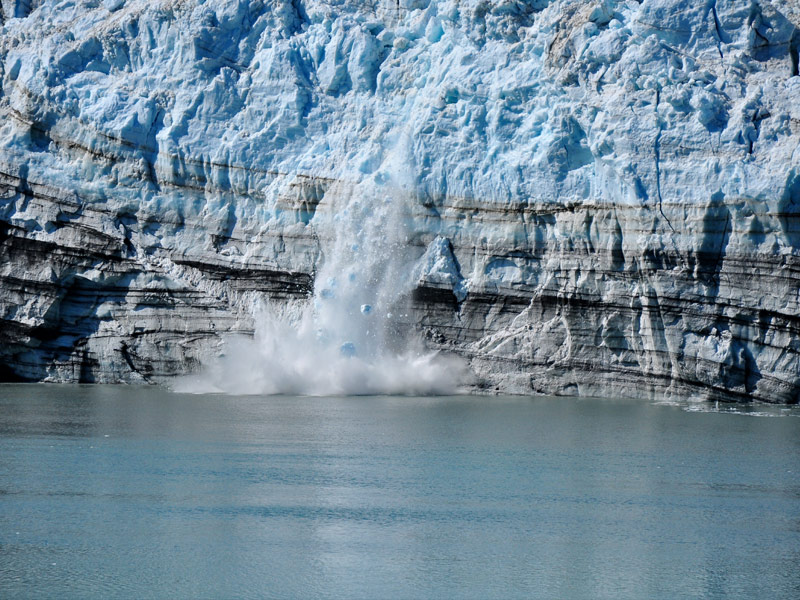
x=602 y=198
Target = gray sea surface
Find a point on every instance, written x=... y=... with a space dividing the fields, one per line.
x=137 y=492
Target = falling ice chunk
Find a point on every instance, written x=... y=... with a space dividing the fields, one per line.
x=366 y=309
x=347 y=349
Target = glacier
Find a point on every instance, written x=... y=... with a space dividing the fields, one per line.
x=575 y=198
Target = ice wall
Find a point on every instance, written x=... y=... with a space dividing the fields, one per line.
x=603 y=195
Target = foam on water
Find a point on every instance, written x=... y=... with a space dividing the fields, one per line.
x=350 y=338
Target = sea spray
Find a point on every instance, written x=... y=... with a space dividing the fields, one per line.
x=293 y=359
x=351 y=337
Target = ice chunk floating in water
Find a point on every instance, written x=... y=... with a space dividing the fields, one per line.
x=345 y=341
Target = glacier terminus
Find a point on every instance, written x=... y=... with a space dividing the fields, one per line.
x=562 y=197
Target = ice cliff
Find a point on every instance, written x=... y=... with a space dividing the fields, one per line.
x=600 y=198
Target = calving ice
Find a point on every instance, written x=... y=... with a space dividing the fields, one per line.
x=543 y=189
x=354 y=335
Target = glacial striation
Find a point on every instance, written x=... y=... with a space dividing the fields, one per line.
x=598 y=197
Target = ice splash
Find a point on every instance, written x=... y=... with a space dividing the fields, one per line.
x=293 y=359
x=349 y=339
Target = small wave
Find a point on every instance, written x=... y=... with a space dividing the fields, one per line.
x=745 y=410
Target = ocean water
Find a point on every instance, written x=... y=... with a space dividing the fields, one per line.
x=142 y=493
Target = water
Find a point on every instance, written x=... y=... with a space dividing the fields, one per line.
x=137 y=492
